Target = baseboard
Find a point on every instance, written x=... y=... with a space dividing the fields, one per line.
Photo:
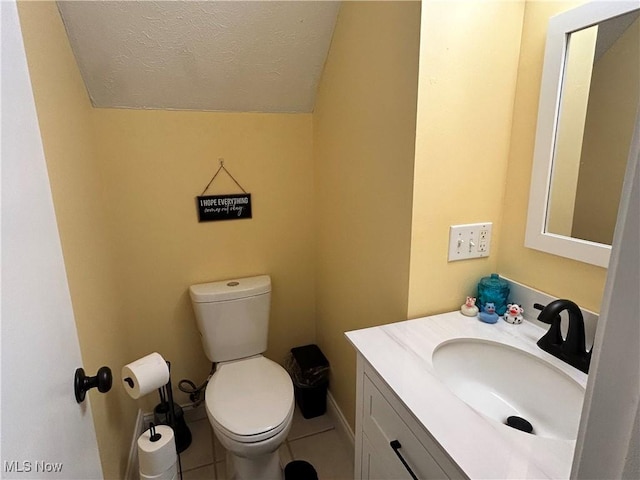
x=341 y=421
x=132 y=464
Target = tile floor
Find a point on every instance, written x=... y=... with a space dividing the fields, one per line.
x=320 y=441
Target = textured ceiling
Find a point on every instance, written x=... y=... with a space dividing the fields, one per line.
x=246 y=56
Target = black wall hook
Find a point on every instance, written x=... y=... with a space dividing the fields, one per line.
x=82 y=383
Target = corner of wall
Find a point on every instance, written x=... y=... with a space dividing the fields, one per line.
x=364 y=140
x=558 y=276
x=64 y=115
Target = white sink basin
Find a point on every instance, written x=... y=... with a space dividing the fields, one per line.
x=500 y=381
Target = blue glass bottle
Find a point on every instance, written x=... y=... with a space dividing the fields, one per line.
x=495 y=290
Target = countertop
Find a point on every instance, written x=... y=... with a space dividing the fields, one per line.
x=401 y=353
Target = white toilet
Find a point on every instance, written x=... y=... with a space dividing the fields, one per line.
x=249 y=399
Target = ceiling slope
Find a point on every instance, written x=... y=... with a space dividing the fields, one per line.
x=242 y=56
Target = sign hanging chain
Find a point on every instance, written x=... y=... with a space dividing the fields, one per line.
x=222 y=167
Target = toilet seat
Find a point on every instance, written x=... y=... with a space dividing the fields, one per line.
x=250 y=400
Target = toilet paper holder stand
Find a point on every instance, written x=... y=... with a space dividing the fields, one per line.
x=170 y=410
x=82 y=383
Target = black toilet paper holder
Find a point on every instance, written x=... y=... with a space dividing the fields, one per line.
x=82 y=383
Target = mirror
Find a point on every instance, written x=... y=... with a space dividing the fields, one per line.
x=589 y=98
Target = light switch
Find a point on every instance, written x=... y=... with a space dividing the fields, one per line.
x=472 y=240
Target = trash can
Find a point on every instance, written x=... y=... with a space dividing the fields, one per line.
x=309 y=370
x=300 y=470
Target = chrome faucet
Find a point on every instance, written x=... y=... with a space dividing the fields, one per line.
x=572 y=349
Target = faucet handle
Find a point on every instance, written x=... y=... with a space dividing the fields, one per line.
x=541 y=317
x=538 y=306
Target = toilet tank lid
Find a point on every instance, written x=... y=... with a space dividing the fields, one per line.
x=232 y=289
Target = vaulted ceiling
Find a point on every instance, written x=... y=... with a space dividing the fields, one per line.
x=258 y=56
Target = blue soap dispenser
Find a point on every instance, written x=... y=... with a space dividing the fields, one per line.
x=493 y=289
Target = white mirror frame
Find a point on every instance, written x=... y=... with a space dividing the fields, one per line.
x=560 y=26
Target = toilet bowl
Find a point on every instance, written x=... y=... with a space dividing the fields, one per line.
x=249 y=400
x=250 y=404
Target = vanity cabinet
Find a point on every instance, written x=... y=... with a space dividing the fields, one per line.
x=390 y=443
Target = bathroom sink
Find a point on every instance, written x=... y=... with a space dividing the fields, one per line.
x=500 y=381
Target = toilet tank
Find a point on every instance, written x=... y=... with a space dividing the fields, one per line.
x=232 y=316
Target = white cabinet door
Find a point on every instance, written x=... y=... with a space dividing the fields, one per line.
x=383 y=427
x=376 y=466
x=45 y=433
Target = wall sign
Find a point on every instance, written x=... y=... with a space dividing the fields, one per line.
x=224 y=207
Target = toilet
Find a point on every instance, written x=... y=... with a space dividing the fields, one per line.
x=249 y=399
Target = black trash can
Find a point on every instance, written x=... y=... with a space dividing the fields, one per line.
x=309 y=370
x=300 y=470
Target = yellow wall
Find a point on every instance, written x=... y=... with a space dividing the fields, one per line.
x=559 y=276
x=468 y=63
x=611 y=116
x=351 y=205
x=155 y=163
x=64 y=114
x=364 y=133
x=124 y=184
x=568 y=145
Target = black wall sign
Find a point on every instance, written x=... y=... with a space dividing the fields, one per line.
x=223 y=207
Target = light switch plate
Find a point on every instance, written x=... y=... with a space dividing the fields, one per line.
x=472 y=240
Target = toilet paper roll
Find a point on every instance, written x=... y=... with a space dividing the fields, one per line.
x=145 y=375
x=157 y=459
